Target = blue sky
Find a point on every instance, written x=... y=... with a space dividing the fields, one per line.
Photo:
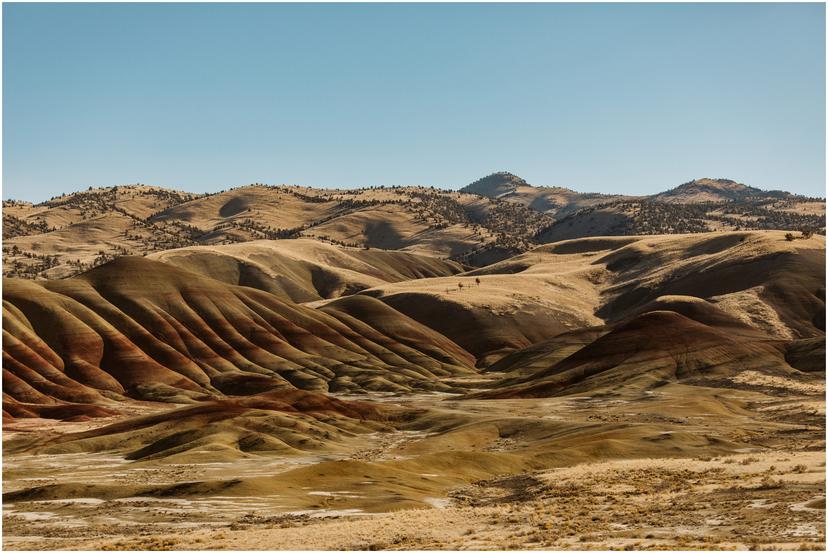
x=630 y=98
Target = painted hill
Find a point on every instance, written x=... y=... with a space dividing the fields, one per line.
x=138 y=328
x=651 y=350
x=141 y=329
x=285 y=422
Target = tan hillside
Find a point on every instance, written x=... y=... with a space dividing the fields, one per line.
x=304 y=269
x=701 y=205
x=287 y=422
x=151 y=330
x=758 y=278
x=136 y=200
x=553 y=200
x=627 y=218
x=608 y=214
x=710 y=190
x=663 y=216
x=82 y=230
x=490 y=220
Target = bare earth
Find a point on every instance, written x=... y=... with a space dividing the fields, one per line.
x=682 y=467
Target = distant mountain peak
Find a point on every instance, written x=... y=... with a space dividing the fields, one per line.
x=709 y=190
x=721 y=184
x=496 y=184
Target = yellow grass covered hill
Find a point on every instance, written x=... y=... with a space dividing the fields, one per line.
x=759 y=278
x=304 y=269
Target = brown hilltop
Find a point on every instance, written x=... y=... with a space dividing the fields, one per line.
x=711 y=190
x=496 y=184
x=701 y=205
x=553 y=200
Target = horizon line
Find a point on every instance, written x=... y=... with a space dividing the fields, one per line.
x=396 y=186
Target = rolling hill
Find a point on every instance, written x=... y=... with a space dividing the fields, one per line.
x=159 y=328
x=759 y=278
x=553 y=200
x=700 y=205
x=63 y=237
x=303 y=269
x=492 y=219
x=715 y=190
x=648 y=351
x=140 y=329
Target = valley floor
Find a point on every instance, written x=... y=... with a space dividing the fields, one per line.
x=681 y=467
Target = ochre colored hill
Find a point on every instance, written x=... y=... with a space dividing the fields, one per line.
x=760 y=278
x=285 y=422
x=143 y=329
x=755 y=278
x=71 y=234
x=653 y=349
x=304 y=269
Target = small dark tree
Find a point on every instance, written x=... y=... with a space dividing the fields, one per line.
x=790 y=237
x=477 y=281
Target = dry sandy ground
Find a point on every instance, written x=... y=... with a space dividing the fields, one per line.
x=758 y=501
x=681 y=467
x=736 y=502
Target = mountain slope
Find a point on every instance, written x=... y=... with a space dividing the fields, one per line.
x=712 y=190
x=552 y=200
x=496 y=185
x=701 y=205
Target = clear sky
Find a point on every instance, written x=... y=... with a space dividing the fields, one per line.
x=631 y=98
